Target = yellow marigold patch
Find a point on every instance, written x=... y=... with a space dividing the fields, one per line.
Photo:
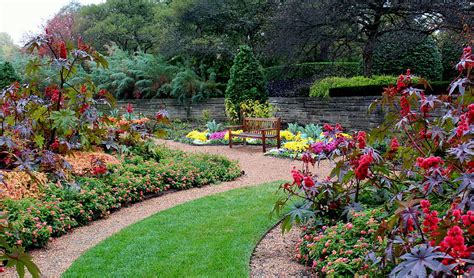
x=196 y=135
x=297 y=146
x=286 y=135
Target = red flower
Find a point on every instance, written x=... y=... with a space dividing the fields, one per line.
x=405 y=106
x=55 y=144
x=129 y=108
x=297 y=177
x=362 y=166
x=62 y=50
x=308 y=181
x=83 y=108
x=463 y=125
x=83 y=89
x=328 y=127
x=361 y=137
x=394 y=145
x=430 y=162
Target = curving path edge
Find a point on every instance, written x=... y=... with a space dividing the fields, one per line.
x=59 y=254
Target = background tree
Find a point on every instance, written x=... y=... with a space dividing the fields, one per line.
x=247 y=81
x=362 y=23
x=128 y=24
x=7 y=48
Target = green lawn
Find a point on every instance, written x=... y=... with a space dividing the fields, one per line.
x=213 y=237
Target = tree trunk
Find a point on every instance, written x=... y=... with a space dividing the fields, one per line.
x=367 y=56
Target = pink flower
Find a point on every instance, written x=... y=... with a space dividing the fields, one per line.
x=349 y=226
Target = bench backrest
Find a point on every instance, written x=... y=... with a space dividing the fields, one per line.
x=254 y=125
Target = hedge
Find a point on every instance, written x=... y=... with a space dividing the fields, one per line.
x=313 y=70
x=437 y=88
x=363 y=86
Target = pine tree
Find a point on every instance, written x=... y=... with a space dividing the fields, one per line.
x=7 y=74
x=247 y=81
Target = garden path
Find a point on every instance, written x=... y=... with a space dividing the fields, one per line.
x=59 y=254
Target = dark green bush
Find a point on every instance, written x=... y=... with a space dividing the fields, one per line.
x=7 y=74
x=247 y=80
x=313 y=70
x=437 y=88
x=395 y=53
x=450 y=44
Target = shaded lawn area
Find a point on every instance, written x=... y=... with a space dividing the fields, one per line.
x=213 y=236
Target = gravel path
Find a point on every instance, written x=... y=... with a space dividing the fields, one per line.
x=274 y=255
x=59 y=254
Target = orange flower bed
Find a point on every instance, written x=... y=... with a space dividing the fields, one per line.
x=81 y=161
x=19 y=184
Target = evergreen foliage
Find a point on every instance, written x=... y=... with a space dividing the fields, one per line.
x=395 y=54
x=247 y=80
x=7 y=74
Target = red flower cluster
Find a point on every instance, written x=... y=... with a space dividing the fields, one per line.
x=468 y=221
x=53 y=93
x=129 y=108
x=99 y=170
x=55 y=144
x=361 y=139
x=62 y=50
x=431 y=221
x=394 y=145
x=361 y=166
x=328 y=127
x=403 y=80
x=405 y=106
x=454 y=245
x=430 y=162
x=83 y=108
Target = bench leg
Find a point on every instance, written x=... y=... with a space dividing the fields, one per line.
x=230 y=140
x=264 y=143
x=278 y=142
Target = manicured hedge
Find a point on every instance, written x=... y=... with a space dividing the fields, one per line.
x=89 y=198
x=313 y=70
x=363 y=86
x=437 y=88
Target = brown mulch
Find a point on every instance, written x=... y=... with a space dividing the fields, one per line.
x=274 y=255
x=59 y=254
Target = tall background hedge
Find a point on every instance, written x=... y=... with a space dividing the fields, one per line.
x=397 y=52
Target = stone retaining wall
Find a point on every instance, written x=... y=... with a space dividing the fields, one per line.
x=351 y=112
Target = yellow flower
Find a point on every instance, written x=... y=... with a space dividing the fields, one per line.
x=345 y=135
x=196 y=135
x=226 y=137
x=297 y=146
x=286 y=135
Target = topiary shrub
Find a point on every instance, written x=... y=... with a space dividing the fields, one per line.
x=400 y=51
x=7 y=74
x=247 y=82
x=449 y=44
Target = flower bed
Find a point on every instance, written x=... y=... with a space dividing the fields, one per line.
x=61 y=207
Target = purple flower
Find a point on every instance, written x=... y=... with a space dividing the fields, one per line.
x=217 y=135
x=317 y=147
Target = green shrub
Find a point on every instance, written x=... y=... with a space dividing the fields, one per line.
x=313 y=70
x=395 y=53
x=247 y=80
x=321 y=87
x=7 y=74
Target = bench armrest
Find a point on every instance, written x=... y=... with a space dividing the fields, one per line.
x=234 y=127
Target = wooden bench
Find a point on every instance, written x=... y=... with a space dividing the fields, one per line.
x=258 y=128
